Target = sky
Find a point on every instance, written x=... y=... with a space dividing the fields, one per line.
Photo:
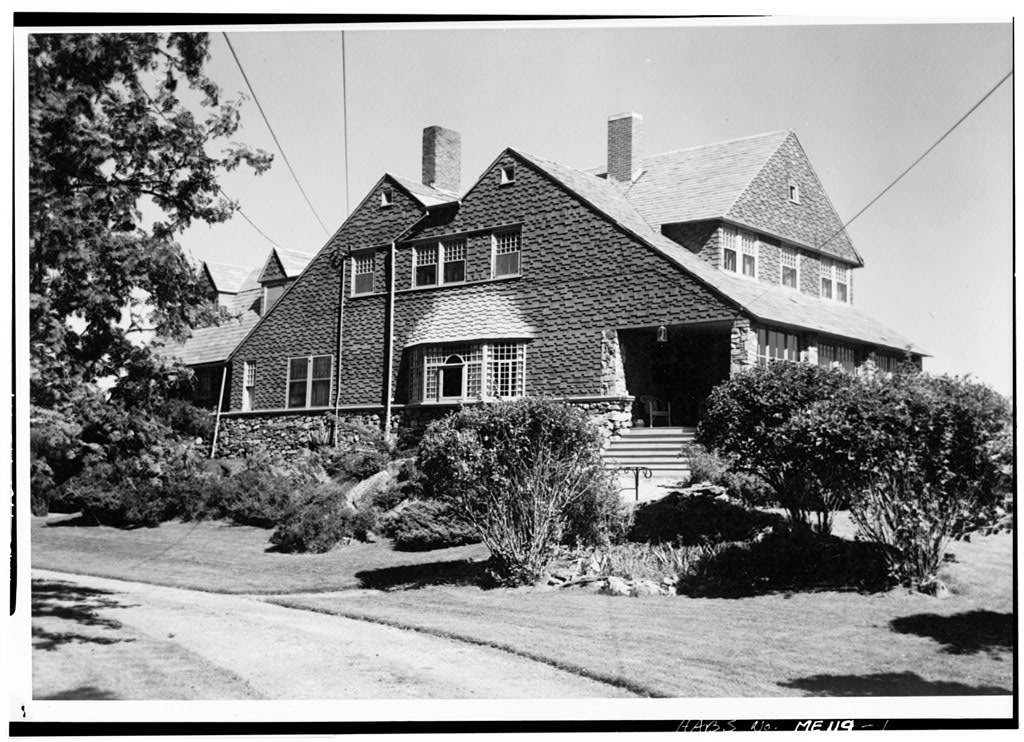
x=864 y=100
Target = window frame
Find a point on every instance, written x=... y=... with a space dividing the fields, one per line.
x=826 y=273
x=249 y=385
x=764 y=349
x=309 y=380
x=506 y=174
x=495 y=236
x=785 y=250
x=845 y=283
x=794 y=193
x=387 y=197
x=372 y=257
x=416 y=265
x=491 y=364
x=736 y=241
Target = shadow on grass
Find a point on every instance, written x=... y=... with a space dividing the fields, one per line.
x=787 y=561
x=413 y=576
x=887 y=684
x=81 y=693
x=962 y=633
x=77 y=605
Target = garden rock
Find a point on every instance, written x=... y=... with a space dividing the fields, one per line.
x=643 y=588
x=369 y=488
x=616 y=586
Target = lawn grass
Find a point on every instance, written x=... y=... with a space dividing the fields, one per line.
x=813 y=643
x=806 y=643
x=217 y=556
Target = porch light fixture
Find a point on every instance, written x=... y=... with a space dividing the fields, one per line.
x=662 y=334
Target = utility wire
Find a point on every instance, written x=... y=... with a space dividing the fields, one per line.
x=221 y=190
x=344 y=117
x=923 y=155
x=272 y=134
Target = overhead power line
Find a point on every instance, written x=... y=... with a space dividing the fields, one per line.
x=923 y=155
x=272 y=134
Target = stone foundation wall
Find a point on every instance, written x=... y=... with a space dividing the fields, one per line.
x=292 y=433
x=743 y=346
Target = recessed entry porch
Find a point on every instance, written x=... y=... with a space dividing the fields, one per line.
x=675 y=367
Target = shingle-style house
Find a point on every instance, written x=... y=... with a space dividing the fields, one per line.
x=630 y=289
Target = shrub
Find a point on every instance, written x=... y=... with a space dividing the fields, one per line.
x=714 y=468
x=756 y=418
x=632 y=561
x=514 y=471
x=260 y=494
x=932 y=457
x=690 y=519
x=424 y=525
x=316 y=519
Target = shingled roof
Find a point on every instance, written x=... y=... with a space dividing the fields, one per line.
x=210 y=344
x=227 y=279
x=470 y=315
x=764 y=301
x=426 y=195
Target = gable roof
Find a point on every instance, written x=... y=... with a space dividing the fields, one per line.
x=293 y=261
x=762 y=300
x=226 y=278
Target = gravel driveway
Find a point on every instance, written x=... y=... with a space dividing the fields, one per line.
x=96 y=638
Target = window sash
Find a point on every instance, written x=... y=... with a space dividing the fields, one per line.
x=362 y=274
x=750 y=266
x=455 y=261
x=789 y=277
x=506 y=254
x=485 y=371
x=309 y=381
x=777 y=345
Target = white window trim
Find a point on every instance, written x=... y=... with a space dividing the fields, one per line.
x=486 y=392
x=248 y=367
x=504 y=173
x=309 y=380
x=494 y=254
x=836 y=282
x=737 y=248
x=387 y=197
x=782 y=266
x=373 y=271
x=442 y=257
x=794 y=193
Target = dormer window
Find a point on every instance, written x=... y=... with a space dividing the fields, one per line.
x=508 y=174
x=794 y=193
x=739 y=252
x=387 y=197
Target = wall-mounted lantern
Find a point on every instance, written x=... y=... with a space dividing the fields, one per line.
x=662 y=334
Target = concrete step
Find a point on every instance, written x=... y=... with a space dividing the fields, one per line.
x=646 y=445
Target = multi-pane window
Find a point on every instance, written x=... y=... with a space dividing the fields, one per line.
x=886 y=363
x=825 y=271
x=739 y=252
x=468 y=371
x=425 y=259
x=842 y=282
x=249 y=386
x=506 y=254
x=309 y=381
x=362 y=274
x=729 y=250
x=834 y=354
x=454 y=261
x=748 y=245
x=776 y=345
x=789 y=259
x=506 y=370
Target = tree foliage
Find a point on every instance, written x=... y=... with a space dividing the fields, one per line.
x=109 y=141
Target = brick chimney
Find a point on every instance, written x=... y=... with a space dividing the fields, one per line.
x=442 y=158
x=625 y=146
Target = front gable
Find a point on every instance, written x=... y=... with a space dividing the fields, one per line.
x=809 y=221
x=272 y=269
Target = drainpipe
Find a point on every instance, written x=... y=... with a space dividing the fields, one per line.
x=341 y=320
x=220 y=404
x=389 y=340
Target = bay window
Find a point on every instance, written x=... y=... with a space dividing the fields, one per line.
x=467 y=371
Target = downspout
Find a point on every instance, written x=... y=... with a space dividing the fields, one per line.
x=220 y=404
x=341 y=320
x=389 y=340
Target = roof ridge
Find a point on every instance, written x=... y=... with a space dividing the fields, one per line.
x=718 y=143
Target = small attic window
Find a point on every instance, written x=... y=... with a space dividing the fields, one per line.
x=794 y=193
x=508 y=174
x=386 y=197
